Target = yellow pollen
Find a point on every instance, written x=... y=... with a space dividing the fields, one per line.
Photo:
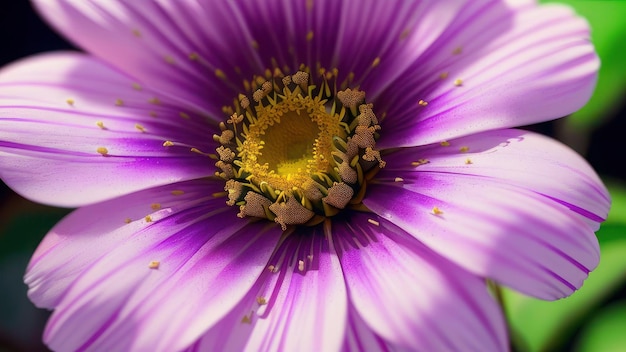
x=376 y=62
x=198 y=151
x=169 y=59
x=136 y=86
x=168 y=144
x=152 y=113
x=309 y=36
x=437 y=211
x=246 y=320
x=155 y=206
x=464 y=149
x=128 y=220
x=255 y=44
x=119 y=102
x=301 y=265
x=445 y=144
x=443 y=75
x=458 y=82
x=420 y=162
x=102 y=150
x=70 y=102
x=271 y=268
x=177 y=192
x=398 y=179
x=220 y=74
x=194 y=56
x=154 y=101
x=140 y=128
x=261 y=300
x=296 y=149
x=468 y=161
x=422 y=102
x=457 y=51
x=154 y=264
x=373 y=222
x=101 y=125
x=136 y=33
x=148 y=218
x=184 y=115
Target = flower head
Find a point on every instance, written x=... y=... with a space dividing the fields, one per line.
x=300 y=175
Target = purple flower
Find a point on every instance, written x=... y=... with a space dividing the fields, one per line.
x=301 y=175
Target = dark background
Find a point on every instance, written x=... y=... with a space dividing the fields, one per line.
x=23 y=223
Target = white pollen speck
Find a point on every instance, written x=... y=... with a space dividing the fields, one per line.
x=373 y=222
x=398 y=179
x=301 y=265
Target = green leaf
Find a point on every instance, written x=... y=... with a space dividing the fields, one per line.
x=605 y=332
x=544 y=326
x=617 y=189
x=608 y=30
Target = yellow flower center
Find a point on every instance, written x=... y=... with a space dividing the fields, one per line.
x=300 y=154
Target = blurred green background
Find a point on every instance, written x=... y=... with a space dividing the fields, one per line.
x=594 y=319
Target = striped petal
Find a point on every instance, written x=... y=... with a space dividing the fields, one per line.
x=75 y=131
x=509 y=205
x=412 y=297
x=493 y=68
x=156 y=283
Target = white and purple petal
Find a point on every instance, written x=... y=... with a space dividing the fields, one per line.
x=68 y=138
x=501 y=68
x=412 y=297
x=98 y=272
x=298 y=303
x=509 y=205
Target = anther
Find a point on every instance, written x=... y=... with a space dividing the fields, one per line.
x=102 y=150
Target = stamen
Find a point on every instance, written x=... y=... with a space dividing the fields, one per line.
x=102 y=150
x=294 y=151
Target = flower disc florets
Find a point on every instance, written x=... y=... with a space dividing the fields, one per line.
x=296 y=152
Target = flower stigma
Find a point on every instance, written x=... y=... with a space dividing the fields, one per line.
x=298 y=150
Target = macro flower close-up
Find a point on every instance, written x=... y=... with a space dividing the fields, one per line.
x=302 y=175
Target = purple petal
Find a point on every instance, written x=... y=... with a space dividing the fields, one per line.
x=51 y=150
x=515 y=68
x=359 y=337
x=299 y=302
x=169 y=46
x=411 y=296
x=515 y=206
x=95 y=270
